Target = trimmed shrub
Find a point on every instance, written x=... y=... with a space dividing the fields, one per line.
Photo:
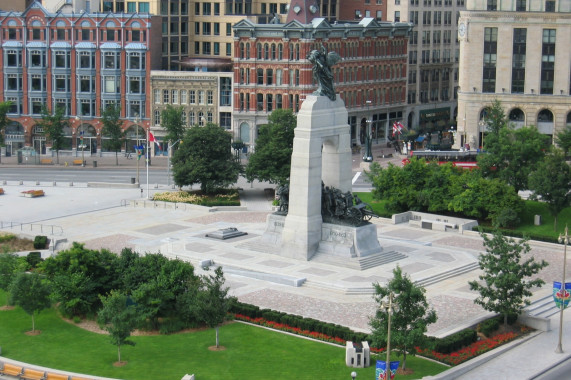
x=34 y=258
x=40 y=242
x=489 y=326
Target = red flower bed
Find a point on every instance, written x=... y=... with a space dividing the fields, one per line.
x=471 y=351
x=293 y=330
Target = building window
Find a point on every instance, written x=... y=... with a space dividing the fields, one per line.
x=37 y=105
x=86 y=60
x=520 y=5
x=201 y=118
x=492 y=5
x=225 y=92
x=136 y=85
x=13 y=58
x=86 y=83
x=157 y=96
x=191 y=118
x=518 y=60
x=490 y=59
x=136 y=61
x=228 y=29
x=111 y=84
x=201 y=97
x=226 y=120
x=206 y=28
x=135 y=108
x=548 y=61
x=228 y=49
x=37 y=82
x=183 y=98
x=62 y=59
x=549 y=5
x=111 y=60
x=210 y=97
x=216 y=48
x=216 y=28
x=192 y=97
x=206 y=48
x=13 y=82
x=174 y=96
x=166 y=97
x=206 y=9
x=157 y=117
x=38 y=58
x=260 y=76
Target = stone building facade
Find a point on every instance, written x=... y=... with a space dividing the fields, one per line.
x=518 y=53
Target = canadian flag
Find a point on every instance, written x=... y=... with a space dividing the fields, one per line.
x=397 y=128
x=152 y=138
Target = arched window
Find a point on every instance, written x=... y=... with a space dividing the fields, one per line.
x=266 y=51
x=280 y=52
x=273 y=51
x=247 y=51
x=241 y=50
x=259 y=51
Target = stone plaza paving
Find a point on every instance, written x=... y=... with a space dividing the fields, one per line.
x=109 y=218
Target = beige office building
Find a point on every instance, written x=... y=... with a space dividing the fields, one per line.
x=205 y=97
x=518 y=52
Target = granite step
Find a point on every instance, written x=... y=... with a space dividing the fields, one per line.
x=448 y=274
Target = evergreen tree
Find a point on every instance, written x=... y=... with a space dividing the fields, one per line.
x=503 y=287
x=409 y=322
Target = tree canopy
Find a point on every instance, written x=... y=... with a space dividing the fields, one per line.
x=4 y=109
x=119 y=318
x=205 y=157
x=409 y=322
x=510 y=154
x=172 y=122
x=10 y=265
x=563 y=139
x=551 y=182
x=503 y=287
x=113 y=129
x=53 y=125
x=271 y=161
x=31 y=293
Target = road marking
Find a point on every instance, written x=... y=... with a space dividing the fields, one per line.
x=355 y=178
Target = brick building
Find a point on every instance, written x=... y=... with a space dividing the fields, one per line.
x=271 y=70
x=81 y=62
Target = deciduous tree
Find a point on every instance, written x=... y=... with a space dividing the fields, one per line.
x=53 y=124
x=205 y=158
x=551 y=182
x=113 y=129
x=4 y=108
x=10 y=265
x=31 y=292
x=271 y=161
x=504 y=286
x=563 y=139
x=119 y=318
x=409 y=322
x=171 y=121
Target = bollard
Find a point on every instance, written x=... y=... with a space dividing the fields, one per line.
x=54 y=183
x=21 y=182
x=71 y=184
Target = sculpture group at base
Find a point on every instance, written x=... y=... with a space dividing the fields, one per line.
x=337 y=207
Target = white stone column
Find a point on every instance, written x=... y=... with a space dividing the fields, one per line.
x=321 y=123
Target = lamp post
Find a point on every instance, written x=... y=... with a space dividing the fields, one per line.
x=353 y=375
x=482 y=124
x=169 y=161
x=565 y=240
x=137 y=143
x=81 y=142
x=389 y=306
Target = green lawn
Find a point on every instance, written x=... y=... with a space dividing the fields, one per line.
x=251 y=352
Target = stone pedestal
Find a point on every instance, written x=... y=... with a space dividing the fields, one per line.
x=321 y=152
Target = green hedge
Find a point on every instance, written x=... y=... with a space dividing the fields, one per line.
x=452 y=342
x=517 y=234
x=300 y=322
x=34 y=258
x=40 y=242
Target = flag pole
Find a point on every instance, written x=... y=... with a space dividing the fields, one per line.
x=147 y=161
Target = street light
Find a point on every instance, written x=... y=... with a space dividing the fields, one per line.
x=169 y=152
x=482 y=124
x=137 y=143
x=353 y=375
x=389 y=306
x=565 y=240
x=81 y=142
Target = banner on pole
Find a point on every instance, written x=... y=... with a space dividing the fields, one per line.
x=381 y=370
x=561 y=296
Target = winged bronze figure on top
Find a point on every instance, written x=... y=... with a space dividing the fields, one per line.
x=322 y=74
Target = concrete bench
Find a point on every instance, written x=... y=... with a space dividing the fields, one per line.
x=32 y=374
x=11 y=370
x=437 y=225
x=77 y=162
x=46 y=161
